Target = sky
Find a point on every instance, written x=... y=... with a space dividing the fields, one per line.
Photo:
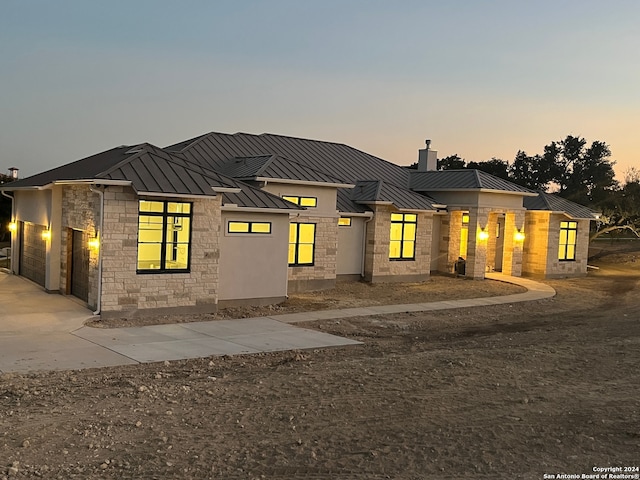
x=480 y=78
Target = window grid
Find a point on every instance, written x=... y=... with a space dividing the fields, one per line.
x=302 y=201
x=164 y=237
x=302 y=239
x=402 y=243
x=260 y=228
x=567 y=243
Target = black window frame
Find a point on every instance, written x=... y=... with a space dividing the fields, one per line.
x=165 y=214
x=297 y=244
x=298 y=200
x=567 y=229
x=250 y=228
x=404 y=222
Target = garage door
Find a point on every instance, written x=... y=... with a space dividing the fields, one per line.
x=80 y=265
x=33 y=252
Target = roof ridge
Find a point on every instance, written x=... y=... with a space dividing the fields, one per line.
x=126 y=160
x=264 y=166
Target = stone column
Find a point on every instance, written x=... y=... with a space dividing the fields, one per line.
x=512 y=256
x=451 y=238
x=476 y=247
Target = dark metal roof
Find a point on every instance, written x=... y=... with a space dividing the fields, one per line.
x=150 y=169
x=345 y=203
x=554 y=203
x=273 y=166
x=85 y=168
x=367 y=191
x=339 y=161
x=465 y=179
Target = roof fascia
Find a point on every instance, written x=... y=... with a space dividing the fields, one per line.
x=477 y=190
x=93 y=181
x=301 y=182
x=355 y=214
x=172 y=195
x=374 y=202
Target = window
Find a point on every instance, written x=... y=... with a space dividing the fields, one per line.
x=302 y=201
x=344 y=221
x=248 y=227
x=302 y=239
x=402 y=245
x=567 y=246
x=164 y=236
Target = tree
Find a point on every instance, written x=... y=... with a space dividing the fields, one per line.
x=535 y=173
x=621 y=210
x=5 y=210
x=452 y=162
x=495 y=166
x=583 y=174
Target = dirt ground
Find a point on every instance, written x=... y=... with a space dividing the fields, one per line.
x=500 y=392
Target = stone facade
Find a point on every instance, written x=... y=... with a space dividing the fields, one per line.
x=322 y=275
x=80 y=211
x=378 y=267
x=124 y=292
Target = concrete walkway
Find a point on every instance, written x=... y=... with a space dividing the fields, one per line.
x=39 y=331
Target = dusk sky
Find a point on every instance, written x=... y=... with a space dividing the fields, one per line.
x=479 y=78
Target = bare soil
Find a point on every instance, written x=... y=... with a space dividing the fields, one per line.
x=501 y=392
x=346 y=294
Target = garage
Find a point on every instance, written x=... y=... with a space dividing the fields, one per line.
x=80 y=265
x=33 y=252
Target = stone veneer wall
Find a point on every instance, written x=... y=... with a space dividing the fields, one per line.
x=557 y=268
x=378 y=266
x=322 y=275
x=450 y=241
x=124 y=292
x=536 y=244
x=80 y=211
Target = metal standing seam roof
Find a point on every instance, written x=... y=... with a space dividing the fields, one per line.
x=150 y=169
x=336 y=160
x=379 y=191
x=465 y=179
x=274 y=166
x=554 y=203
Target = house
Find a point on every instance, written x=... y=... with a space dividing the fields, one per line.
x=222 y=220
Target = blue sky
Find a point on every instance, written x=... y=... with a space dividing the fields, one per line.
x=479 y=78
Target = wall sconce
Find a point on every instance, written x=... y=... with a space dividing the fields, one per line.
x=519 y=235
x=483 y=234
x=13 y=226
x=46 y=234
x=94 y=243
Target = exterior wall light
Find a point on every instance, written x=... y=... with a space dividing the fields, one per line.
x=483 y=234
x=46 y=234
x=519 y=235
x=13 y=226
x=94 y=243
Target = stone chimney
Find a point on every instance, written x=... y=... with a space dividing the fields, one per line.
x=427 y=159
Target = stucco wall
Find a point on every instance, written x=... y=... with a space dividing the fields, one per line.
x=33 y=206
x=378 y=266
x=254 y=266
x=326 y=195
x=124 y=292
x=350 y=247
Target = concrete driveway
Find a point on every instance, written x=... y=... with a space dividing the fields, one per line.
x=40 y=331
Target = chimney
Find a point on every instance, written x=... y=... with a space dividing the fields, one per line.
x=13 y=172
x=427 y=159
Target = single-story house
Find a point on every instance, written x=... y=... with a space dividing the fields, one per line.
x=222 y=220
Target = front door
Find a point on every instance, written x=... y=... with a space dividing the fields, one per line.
x=80 y=265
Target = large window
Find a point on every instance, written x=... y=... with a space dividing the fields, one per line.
x=164 y=236
x=402 y=245
x=567 y=246
x=302 y=201
x=302 y=239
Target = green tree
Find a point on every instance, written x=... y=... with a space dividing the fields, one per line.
x=535 y=173
x=495 y=166
x=583 y=174
x=452 y=162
